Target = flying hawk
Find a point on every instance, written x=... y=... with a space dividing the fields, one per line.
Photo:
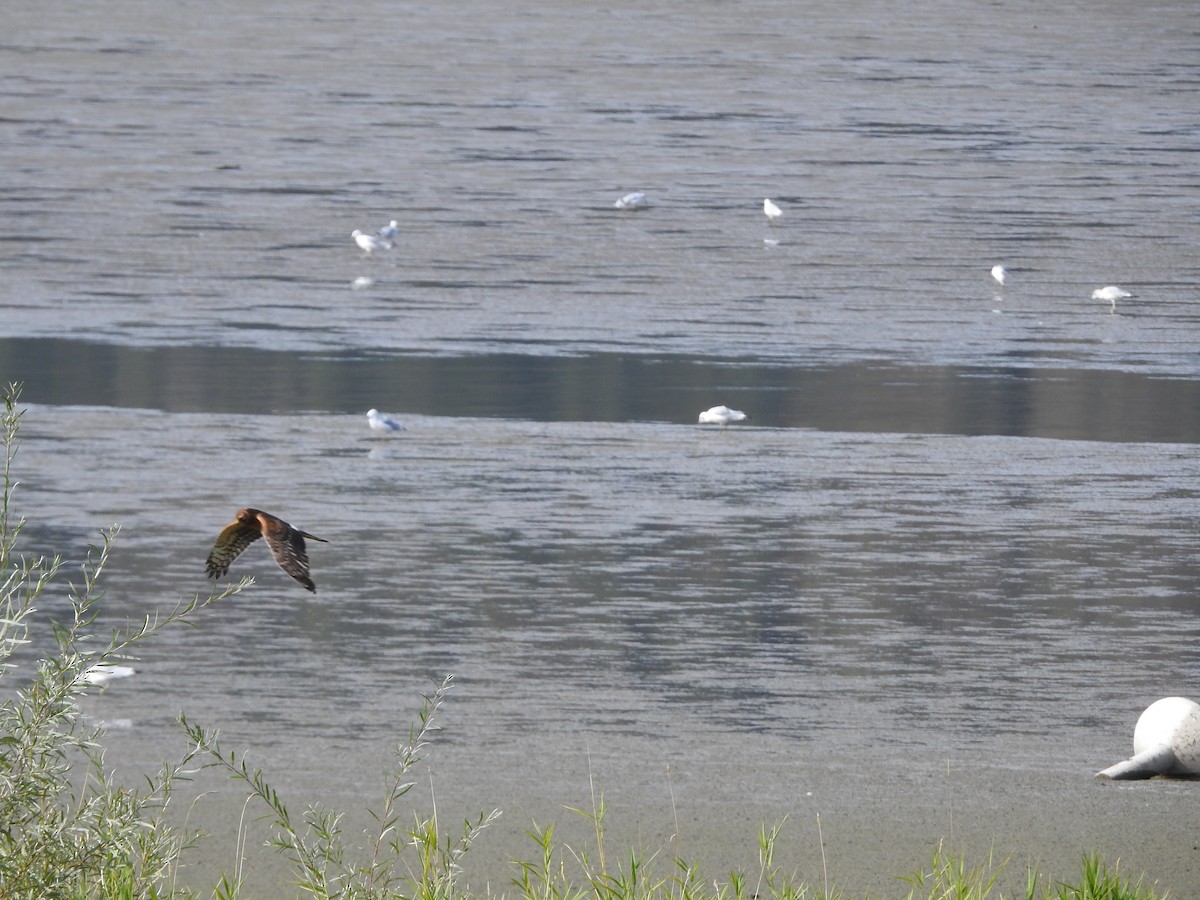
x=286 y=543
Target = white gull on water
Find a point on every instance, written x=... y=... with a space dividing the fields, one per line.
x=773 y=212
x=1110 y=294
x=370 y=242
x=722 y=415
x=999 y=273
x=381 y=423
x=103 y=673
x=389 y=231
x=635 y=200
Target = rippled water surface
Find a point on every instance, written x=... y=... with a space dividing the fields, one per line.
x=925 y=591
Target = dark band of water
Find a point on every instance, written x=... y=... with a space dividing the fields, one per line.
x=1080 y=404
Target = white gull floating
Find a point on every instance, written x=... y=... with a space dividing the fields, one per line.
x=369 y=243
x=102 y=674
x=722 y=415
x=381 y=423
x=635 y=200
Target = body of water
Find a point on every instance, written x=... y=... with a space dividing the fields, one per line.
x=925 y=592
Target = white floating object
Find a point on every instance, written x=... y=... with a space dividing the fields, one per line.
x=381 y=423
x=635 y=200
x=773 y=212
x=103 y=673
x=1166 y=741
x=722 y=415
x=999 y=273
x=389 y=231
x=1110 y=294
x=370 y=242
x=362 y=281
x=115 y=724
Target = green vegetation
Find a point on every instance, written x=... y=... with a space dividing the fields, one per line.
x=67 y=830
x=949 y=878
x=324 y=866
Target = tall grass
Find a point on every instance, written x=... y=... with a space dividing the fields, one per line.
x=69 y=830
x=561 y=872
x=949 y=876
x=1102 y=882
x=414 y=860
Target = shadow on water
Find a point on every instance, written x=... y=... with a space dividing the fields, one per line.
x=1104 y=405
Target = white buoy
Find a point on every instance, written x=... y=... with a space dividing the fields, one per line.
x=1166 y=741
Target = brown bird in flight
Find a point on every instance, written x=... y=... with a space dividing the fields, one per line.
x=286 y=543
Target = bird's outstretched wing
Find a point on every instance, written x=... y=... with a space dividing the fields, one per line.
x=287 y=546
x=232 y=540
x=286 y=543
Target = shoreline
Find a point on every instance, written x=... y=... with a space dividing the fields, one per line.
x=866 y=833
